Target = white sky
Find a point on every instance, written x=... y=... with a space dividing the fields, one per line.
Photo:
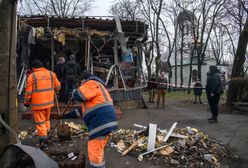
x=100 y=8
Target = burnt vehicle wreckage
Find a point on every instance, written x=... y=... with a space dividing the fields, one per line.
x=109 y=47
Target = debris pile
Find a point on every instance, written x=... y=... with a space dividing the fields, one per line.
x=183 y=147
x=76 y=130
x=30 y=133
x=69 y=160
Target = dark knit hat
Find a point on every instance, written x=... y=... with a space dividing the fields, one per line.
x=213 y=69
x=36 y=64
x=85 y=74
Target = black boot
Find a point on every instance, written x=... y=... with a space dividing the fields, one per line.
x=213 y=120
x=43 y=145
x=210 y=118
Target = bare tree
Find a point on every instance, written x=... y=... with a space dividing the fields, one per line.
x=146 y=13
x=59 y=8
x=207 y=13
x=156 y=6
x=238 y=12
x=217 y=43
x=147 y=49
x=125 y=9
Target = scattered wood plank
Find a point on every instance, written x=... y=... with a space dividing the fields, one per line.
x=133 y=145
x=74 y=126
x=169 y=132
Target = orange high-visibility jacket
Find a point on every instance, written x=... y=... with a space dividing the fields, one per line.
x=40 y=88
x=94 y=94
x=97 y=106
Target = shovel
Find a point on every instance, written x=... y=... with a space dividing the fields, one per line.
x=63 y=130
x=65 y=133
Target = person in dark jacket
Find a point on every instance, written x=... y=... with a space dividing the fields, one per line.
x=161 y=88
x=198 y=91
x=71 y=74
x=151 y=86
x=213 y=90
x=59 y=72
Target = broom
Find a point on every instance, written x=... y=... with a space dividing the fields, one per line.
x=60 y=117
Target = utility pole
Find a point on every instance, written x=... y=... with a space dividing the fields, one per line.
x=8 y=92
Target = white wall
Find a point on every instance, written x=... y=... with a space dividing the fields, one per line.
x=204 y=70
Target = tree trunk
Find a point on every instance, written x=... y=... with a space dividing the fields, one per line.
x=181 y=60
x=8 y=73
x=157 y=62
x=239 y=59
x=170 y=75
x=175 y=65
x=190 y=68
x=199 y=61
x=148 y=71
x=199 y=65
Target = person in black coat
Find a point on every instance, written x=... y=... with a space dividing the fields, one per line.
x=198 y=91
x=58 y=70
x=151 y=86
x=71 y=74
x=213 y=90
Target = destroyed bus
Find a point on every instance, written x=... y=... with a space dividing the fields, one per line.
x=110 y=48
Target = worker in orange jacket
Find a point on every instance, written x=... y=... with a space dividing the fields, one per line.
x=39 y=94
x=98 y=114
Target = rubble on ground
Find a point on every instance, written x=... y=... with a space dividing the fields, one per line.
x=66 y=160
x=186 y=147
x=76 y=130
x=30 y=133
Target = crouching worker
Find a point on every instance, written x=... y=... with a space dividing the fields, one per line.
x=98 y=114
x=39 y=94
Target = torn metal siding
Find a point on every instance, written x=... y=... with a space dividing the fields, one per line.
x=112 y=49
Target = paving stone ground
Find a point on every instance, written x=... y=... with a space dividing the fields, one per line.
x=232 y=130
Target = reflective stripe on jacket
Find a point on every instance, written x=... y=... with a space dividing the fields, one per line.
x=40 y=89
x=97 y=106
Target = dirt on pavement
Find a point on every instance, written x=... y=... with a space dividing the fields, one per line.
x=231 y=130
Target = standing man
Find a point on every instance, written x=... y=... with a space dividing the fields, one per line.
x=99 y=116
x=151 y=86
x=39 y=94
x=71 y=73
x=58 y=71
x=161 y=87
x=213 y=90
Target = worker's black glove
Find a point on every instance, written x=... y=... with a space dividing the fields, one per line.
x=27 y=105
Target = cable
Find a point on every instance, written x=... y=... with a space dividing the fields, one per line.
x=10 y=130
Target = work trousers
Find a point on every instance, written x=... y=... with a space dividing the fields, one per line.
x=62 y=96
x=199 y=97
x=42 y=122
x=161 y=92
x=213 y=102
x=96 y=151
x=151 y=95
